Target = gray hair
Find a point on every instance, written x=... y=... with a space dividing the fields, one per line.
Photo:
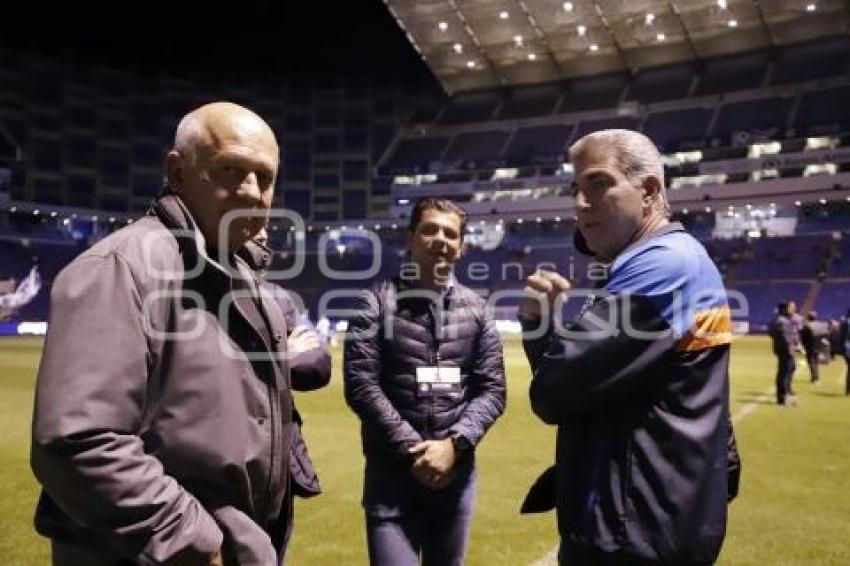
x=189 y=131
x=636 y=155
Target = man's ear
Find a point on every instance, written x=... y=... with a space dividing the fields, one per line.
x=174 y=169
x=651 y=189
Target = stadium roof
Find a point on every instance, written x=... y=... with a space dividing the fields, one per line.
x=478 y=44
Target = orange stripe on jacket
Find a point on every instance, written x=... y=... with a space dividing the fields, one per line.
x=711 y=327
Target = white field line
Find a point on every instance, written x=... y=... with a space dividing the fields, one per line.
x=551 y=557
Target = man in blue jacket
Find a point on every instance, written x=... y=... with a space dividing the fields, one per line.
x=638 y=385
x=424 y=372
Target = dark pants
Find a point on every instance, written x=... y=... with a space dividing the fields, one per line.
x=784 y=374
x=812 y=360
x=847 y=375
x=406 y=521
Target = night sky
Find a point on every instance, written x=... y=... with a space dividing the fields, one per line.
x=306 y=39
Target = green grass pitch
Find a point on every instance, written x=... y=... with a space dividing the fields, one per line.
x=794 y=506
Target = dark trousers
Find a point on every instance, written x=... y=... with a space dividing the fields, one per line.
x=784 y=374
x=812 y=360
x=847 y=375
x=406 y=522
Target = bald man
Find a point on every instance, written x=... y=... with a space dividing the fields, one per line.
x=163 y=415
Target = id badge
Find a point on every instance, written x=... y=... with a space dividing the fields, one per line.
x=438 y=379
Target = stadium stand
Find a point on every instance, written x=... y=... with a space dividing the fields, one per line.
x=499 y=151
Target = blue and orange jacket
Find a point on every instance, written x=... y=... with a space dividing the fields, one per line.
x=638 y=387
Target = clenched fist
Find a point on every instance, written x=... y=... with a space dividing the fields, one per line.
x=542 y=291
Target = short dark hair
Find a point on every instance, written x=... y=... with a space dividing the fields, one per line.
x=440 y=204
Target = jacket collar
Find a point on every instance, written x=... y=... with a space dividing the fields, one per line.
x=175 y=215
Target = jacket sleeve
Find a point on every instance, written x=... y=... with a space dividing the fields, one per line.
x=486 y=382
x=308 y=370
x=733 y=463
x=90 y=396
x=362 y=371
x=597 y=361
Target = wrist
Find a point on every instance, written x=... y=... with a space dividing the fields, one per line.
x=460 y=444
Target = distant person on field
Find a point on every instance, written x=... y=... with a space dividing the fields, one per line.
x=811 y=345
x=783 y=336
x=844 y=343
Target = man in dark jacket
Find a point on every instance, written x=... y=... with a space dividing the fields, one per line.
x=783 y=337
x=844 y=346
x=424 y=372
x=638 y=385
x=163 y=414
x=810 y=340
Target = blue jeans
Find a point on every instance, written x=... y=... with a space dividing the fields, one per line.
x=406 y=521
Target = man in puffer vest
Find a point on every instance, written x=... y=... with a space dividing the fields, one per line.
x=424 y=372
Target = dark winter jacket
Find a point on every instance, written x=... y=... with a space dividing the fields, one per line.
x=638 y=388
x=163 y=412
x=395 y=331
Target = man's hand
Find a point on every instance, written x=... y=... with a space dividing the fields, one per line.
x=434 y=463
x=302 y=339
x=542 y=291
x=215 y=559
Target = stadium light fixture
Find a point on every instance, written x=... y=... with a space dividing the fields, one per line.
x=94 y=218
x=532 y=56
x=13 y=209
x=519 y=220
x=684 y=211
x=36 y=212
x=53 y=214
x=458 y=48
x=822 y=201
x=581 y=30
x=443 y=26
x=518 y=40
x=660 y=37
x=503 y=15
x=594 y=47
x=797 y=203
x=708 y=209
x=568 y=6
x=470 y=64
x=811 y=7
x=732 y=23
x=649 y=19
x=722 y=4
